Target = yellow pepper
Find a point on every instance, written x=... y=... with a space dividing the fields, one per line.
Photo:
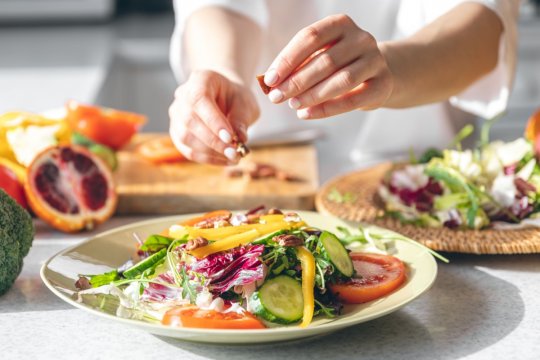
x=307 y=261
x=226 y=244
x=218 y=234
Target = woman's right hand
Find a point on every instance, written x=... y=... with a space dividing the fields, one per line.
x=209 y=114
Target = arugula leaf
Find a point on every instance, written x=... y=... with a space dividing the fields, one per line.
x=104 y=279
x=156 y=242
x=189 y=290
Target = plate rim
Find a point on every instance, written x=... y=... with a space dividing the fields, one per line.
x=155 y=328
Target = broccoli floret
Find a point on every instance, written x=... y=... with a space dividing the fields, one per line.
x=16 y=236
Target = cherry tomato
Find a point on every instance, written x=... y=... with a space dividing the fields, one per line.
x=193 y=317
x=217 y=215
x=109 y=127
x=11 y=185
x=376 y=276
x=160 y=150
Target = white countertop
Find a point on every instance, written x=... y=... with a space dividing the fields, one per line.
x=480 y=307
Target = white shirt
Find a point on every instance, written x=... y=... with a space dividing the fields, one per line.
x=382 y=133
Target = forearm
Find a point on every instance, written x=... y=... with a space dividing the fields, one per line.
x=224 y=41
x=445 y=57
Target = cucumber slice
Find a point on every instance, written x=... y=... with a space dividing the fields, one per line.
x=279 y=300
x=337 y=253
x=147 y=263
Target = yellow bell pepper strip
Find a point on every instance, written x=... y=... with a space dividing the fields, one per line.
x=221 y=233
x=307 y=261
x=226 y=244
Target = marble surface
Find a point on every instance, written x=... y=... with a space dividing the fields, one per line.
x=480 y=307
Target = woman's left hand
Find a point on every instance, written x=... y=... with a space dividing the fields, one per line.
x=328 y=68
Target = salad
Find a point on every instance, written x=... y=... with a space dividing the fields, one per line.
x=252 y=270
x=494 y=185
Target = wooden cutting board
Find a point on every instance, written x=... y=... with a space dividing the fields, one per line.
x=144 y=188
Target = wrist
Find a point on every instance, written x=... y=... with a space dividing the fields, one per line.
x=388 y=50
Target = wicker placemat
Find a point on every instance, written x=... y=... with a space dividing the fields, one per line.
x=364 y=206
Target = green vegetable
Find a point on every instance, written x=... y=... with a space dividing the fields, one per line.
x=337 y=197
x=464 y=133
x=279 y=300
x=430 y=154
x=151 y=261
x=104 y=279
x=79 y=139
x=16 y=236
x=457 y=183
x=337 y=253
x=155 y=243
x=106 y=154
x=450 y=201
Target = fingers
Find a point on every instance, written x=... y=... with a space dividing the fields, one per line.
x=323 y=65
x=369 y=95
x=306 y=42
x=214 y=119
x=339 y=83
x=195 y=149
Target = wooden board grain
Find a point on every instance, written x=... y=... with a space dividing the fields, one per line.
x=144 y=188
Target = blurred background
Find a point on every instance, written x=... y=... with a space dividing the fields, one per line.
x=115 y=53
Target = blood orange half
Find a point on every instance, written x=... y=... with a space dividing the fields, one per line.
x=70 y=188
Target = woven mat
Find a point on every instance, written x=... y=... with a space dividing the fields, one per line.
x=365 y=207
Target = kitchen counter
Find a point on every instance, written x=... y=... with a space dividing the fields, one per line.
x=480 y=307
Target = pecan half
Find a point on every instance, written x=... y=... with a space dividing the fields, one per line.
x=83 y=283
x=288 y=240
x=209 y=223
x=196 y=243
x=265 y=88
x=274 y=211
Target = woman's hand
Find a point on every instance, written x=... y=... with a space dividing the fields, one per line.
x=329 y=68
x=209 y=114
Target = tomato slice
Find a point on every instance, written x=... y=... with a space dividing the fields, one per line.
x=113 y=128
x=376 y=276
x=193 y=317
x=217 y=214
x=160 y=150
x=11 y=185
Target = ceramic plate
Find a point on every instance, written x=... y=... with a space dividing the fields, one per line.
x=111 y=249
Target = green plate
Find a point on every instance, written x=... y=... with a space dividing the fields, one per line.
x=112 y=248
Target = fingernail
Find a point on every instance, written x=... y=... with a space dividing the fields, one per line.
x=271 y=77
x=242 y=128
x=294 y=103
x=275 y=95
x=225 y=136
x=230 y=153
x=303 y=114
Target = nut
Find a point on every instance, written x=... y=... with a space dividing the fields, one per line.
x=209 y=223
x=288 y=240
x=274 y=211
x=196 y=243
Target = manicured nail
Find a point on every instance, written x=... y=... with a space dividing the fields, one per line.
x=225 y=136
x=303 y=114
x=230 y=153
x=275 y=95
x=294 y=103
x=271 y=77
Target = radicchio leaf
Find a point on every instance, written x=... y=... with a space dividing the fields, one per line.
x=158 y=292
x=239 y=266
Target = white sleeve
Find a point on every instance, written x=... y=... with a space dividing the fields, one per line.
x=255 y=10
x=488 y=96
